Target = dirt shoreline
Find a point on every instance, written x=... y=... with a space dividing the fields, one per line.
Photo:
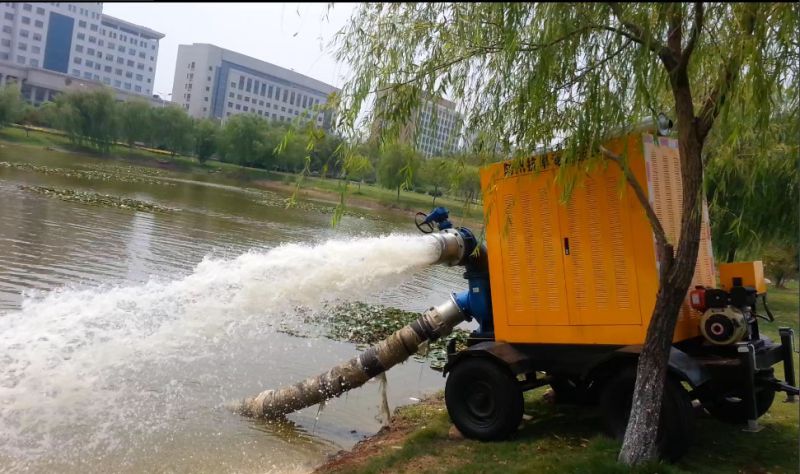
x=391 y=437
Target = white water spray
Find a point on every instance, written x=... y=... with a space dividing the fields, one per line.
x=71 y=361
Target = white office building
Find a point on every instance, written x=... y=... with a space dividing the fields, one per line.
x=436 y=131
x=74 y=40
x=433 y=128
x=212 y=82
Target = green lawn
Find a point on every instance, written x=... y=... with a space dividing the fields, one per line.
x=18 y=135
x=140 y=156
x=566 y=439
x=784 y=305
x=58 y=140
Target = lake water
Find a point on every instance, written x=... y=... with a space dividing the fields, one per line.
x=123 y=333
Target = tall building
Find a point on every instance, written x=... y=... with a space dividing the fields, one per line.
x=436 y=133
x=48 y=47
x=213 y=82
x=432 y=132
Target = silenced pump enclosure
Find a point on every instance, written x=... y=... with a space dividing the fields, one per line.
x=585 y=271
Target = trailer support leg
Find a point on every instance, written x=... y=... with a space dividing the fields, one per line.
x=747 y=355
x=787 y=341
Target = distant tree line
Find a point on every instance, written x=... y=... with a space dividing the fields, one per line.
x=94 y=119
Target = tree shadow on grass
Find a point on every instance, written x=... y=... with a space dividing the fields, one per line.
x=716 y=447
x=565 y=420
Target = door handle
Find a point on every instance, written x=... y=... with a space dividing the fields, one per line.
x=566 y=245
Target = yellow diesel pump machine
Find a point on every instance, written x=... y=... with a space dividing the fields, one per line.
x=563 y=293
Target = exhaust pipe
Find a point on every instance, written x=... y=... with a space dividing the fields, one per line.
x=435 y=323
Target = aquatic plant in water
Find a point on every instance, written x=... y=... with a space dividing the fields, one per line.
x=367 y=324
x=111 y=173
x=97 y=199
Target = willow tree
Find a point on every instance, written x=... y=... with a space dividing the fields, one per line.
x=89 y=117
x=753 y=186
x=135 y=119
x=529 y=75
x=11 y=105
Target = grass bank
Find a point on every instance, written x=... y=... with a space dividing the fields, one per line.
x=561 y=438
x=368 y=197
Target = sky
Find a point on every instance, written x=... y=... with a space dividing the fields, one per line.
x=290 y=35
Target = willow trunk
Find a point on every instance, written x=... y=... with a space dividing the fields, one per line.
x=676 y=272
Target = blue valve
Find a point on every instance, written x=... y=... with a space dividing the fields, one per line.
x=440 y=216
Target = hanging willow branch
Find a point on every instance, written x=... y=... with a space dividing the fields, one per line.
x=658 y=229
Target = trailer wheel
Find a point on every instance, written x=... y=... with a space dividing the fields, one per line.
x=676 y=423
x=728 y=407
x=484 y=399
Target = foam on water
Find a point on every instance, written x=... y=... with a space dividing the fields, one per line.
x=69 y=359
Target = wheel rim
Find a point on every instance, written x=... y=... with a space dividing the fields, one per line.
x=480 y=402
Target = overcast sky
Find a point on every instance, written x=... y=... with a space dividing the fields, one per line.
x=291 y=35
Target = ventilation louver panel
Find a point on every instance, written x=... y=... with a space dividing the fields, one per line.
x=665 y=185
x=533 y=266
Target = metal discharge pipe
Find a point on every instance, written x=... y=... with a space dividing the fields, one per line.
x=451 y=247
x=435 y=323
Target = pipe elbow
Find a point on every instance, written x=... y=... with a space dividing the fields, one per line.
x=439 y=321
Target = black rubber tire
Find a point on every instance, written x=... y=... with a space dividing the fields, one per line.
x=728 y=407
x=484 y=399
x=676 y=425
